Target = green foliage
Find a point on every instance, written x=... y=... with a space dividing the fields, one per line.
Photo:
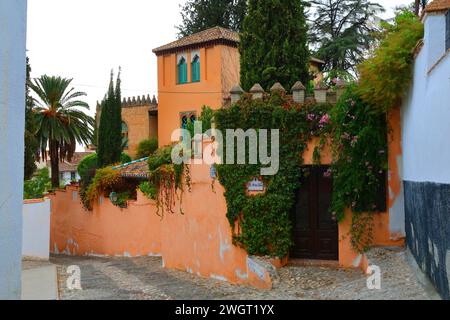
x=206 y=118
x=105 y=181
x=165 y=180
x=360 y=160
x=264 y=220
x=273 y=44
x=385 y=76
x=60 y=122
x=36 y=187
x=110 y=129
x=89 y=163
x=342 y=31
x=87 y=170
x=31 y=142
x=199 y=15
x=123 y=198
x=125 y=158
x=146 y=148
x=149 y=190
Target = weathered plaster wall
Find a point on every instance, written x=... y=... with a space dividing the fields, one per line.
x=107 y=230
x=426 y=156
x=12 y=107
x=199 y=241
x=36 y=229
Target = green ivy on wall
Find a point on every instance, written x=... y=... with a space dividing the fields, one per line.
x=360 y=163
x=264 y=219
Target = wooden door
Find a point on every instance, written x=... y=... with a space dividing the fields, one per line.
x=315 y=232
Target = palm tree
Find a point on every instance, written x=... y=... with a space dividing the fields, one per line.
x=61 y=125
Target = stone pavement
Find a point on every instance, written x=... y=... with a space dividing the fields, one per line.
x=39 y=281
x=144 y=278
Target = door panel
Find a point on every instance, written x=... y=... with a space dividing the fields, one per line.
x=314 y=230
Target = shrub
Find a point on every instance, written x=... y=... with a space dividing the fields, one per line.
x=385 y=76
x=38 y=185
x=146 y=148
x=89 y=163
x=149 y=190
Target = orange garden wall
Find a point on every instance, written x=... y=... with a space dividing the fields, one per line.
x=106 y=230
x=198 y=242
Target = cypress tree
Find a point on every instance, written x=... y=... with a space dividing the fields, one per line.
x=274 y=44
x=110 y=129
x=31 y=142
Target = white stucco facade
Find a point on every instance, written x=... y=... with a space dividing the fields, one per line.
x=426 y=111
x=36 y=229
x=67 y=177
x=12 y=113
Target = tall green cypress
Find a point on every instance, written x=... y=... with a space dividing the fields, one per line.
x=110 y=129
x=274 y=44
x=31 y=142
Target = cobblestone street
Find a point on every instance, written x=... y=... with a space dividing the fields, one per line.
x=144 y=278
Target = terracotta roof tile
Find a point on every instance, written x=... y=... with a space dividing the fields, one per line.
x=197 y=39
x=438 y=5
x=135 y=169
x=71 y=166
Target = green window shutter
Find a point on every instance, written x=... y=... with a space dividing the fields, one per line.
x=195 y=71
x=182 y=72
x=185 y=73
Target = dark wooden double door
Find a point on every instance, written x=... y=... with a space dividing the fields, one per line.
x=315 y=232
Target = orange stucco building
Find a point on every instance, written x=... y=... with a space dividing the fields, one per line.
x=192 y=72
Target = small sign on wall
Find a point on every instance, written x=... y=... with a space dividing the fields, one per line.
x=256 y=185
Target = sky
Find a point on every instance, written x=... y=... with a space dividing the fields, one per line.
x=86 y=39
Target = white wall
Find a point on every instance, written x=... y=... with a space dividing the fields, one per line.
x=36 y=229
x=12 y=110
x=67 y=178
x=426 y=114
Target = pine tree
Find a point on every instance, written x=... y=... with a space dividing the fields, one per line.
x=343 y=32
x=199 y=15
x=274 y=44
x=110 y=129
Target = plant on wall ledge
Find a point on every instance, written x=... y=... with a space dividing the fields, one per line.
x=165 y=180
x=107 y=181
x=386 y=76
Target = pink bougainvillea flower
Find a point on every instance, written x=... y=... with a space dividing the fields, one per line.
x=325 y=119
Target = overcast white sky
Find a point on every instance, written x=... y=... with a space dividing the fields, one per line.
x=85 y=39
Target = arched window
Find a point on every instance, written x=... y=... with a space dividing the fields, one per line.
x=187 y=123
x=124 y=135
x=195 y=69
x=182 y=71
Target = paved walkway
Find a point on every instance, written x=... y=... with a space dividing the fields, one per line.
x=39 y=281
x=143 y=278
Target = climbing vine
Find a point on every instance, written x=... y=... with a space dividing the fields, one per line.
x=165 y=180
x=360 y=163
x=261 y=224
